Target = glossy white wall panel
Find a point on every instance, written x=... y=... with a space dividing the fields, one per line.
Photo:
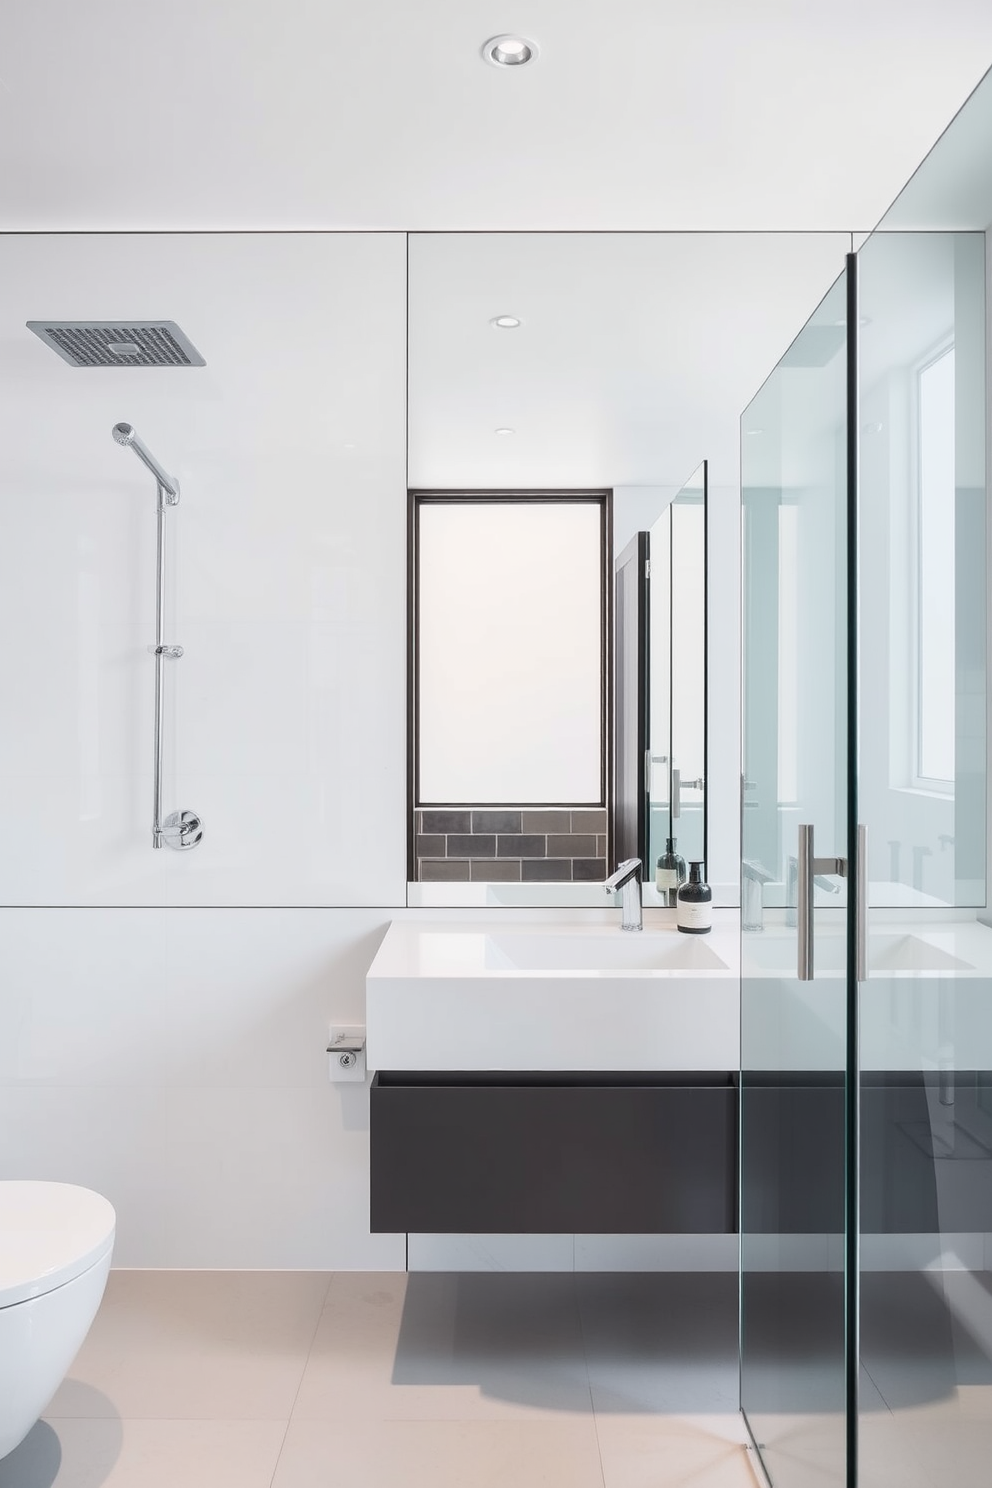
x=175 y=1061
x=140 y=997
x=286 y=571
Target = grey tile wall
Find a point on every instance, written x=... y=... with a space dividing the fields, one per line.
x=557 y=844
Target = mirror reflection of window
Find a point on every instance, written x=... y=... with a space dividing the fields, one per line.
x=510 y=652
x=788 y=653
x=935 y=670
x=510 y=681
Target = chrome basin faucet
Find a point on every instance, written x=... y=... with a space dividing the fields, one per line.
x=627 y=879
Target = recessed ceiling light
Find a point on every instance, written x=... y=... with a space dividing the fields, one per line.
x=505 y=431
x=505 y=322
x=509 y=51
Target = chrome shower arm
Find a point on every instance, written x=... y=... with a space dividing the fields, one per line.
x=125 y=435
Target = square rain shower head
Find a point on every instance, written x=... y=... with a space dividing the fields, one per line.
x=111 y=343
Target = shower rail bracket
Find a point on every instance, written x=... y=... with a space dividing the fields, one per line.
x=172 y=653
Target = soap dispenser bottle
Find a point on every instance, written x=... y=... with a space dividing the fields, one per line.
x=670 y=873
x=694 y=910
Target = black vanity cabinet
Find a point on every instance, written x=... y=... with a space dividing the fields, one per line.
x=513 y=1152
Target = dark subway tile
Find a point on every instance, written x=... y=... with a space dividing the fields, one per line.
x=495 y=821
x=546 y=870
x=430 y=847
x=572 y=846
x=589 y=870
x=521 y=847
x=547 y=821
x=589 y=819
x=496 y=870
x=443 y=870
x=446 y=821
x=601 y=846
x=472 y=845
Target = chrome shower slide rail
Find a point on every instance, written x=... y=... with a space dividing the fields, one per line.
x=180 y=829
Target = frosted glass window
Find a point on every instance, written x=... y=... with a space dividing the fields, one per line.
x=510 y=644
x=936 y=669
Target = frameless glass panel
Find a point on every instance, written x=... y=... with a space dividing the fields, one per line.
x=926 y=1007
x=793 y=1032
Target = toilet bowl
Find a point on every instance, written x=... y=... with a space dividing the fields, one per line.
x=55 y=1246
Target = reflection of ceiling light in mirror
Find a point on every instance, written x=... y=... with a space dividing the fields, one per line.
x=754 y=431
x=505 y=322
x=505 y=431
x=509 y=51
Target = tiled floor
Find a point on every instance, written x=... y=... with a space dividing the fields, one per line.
x=379 y=1380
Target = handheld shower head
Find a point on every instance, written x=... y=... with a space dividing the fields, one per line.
x=124 y=434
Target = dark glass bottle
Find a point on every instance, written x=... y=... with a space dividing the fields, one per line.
x=670 y=873
x=694 y=910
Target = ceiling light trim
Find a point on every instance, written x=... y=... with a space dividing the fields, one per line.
x=510 y=51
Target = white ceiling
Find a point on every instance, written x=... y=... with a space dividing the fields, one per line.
x=639 y=114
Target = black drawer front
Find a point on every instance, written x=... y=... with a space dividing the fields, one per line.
x=558 y=1153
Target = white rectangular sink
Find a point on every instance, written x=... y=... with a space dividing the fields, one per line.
x=608 y=951
x=454 y=995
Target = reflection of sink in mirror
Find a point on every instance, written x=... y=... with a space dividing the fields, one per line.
x=885 y=953
x=576 y=895
x=611 y=951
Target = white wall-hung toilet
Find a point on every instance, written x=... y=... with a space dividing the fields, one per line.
x=55 y=1246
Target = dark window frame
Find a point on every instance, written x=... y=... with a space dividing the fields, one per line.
x=421 y=497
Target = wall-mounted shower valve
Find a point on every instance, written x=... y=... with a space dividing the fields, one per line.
x=182 y=829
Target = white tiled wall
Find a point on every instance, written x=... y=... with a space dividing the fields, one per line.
x=287 y=572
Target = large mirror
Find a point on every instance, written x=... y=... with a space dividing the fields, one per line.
x=564 y=367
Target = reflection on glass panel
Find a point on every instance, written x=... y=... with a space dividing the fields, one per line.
x=678 y=675
x=935 y=400
x=922 y=558
x=926 y=1007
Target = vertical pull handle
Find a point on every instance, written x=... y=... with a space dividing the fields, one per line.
x=861 y=907
x=804 y=903
x=808 y=866
x=676 y=793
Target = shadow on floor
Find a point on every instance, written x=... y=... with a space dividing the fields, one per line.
x=70 y=1446
x=36 y=1462
x=625 y=1342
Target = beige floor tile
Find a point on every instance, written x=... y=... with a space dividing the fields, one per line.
x=441 y=1454
x=672 y=1451
x=437 y=1347
x=145 y=1454
x=661 y=1343
x=195 y=1345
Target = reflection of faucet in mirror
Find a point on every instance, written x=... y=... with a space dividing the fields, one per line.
x=792 y=889
x=894 y=850
x=919 y=853
x=752 y=907
x=627 y=879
